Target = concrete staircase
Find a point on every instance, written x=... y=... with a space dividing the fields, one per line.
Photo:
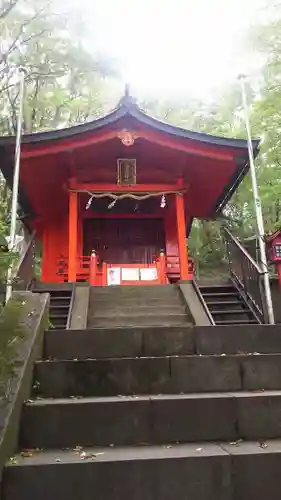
x=152 y=412
x=137 y=305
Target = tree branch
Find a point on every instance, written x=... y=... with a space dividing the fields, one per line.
x=7 y=7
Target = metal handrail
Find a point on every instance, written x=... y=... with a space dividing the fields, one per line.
x=246 y=274
x=69 y=316
x=242 y=249
x=203 y=303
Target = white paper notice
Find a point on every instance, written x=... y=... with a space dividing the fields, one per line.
x=113 y=276
x=130 y=274
x=148 y=274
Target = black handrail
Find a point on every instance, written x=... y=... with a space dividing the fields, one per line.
x=203 y=303
x=246 y=274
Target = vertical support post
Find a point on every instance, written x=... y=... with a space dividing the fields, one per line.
x=104 y=274
x=72 y=236
x=181 y=230
x=278 y=265
x=258 y=208
x=93 y=269
x=15 y=192
x=162 y=268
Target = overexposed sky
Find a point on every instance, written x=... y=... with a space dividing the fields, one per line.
x=175 y=47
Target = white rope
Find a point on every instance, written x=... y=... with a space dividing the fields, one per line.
x=140 y=196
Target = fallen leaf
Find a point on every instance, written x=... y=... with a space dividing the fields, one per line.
x=263 y=445
x=27 y=453
x=235 y=443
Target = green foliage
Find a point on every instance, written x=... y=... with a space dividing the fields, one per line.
x=65 y=83
x=12 y=332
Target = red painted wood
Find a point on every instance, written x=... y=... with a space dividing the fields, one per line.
x=93 y=269
x=182 y=237
x=116 y=188
x=188 y=146
x=162 y=268
x=60 y=146
x=73 y=233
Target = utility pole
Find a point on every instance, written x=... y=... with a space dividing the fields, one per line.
x=258 y=207
x=15 y=192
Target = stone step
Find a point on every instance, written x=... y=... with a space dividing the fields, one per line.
x=137 y=310
x=236 y=339
x=199 y=471
x=127 y=301
x=122 y=421
x=162 y=375
x=160 y=341
x=154 y=291
x=132 y=342
x=160 y=289
x=176 y=319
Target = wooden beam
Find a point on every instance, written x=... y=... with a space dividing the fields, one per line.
x=63 y=145
x=117 y=188
x=73 y=236
x=181 y=231
x=189 y=146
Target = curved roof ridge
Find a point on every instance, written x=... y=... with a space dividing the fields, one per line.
x=128 y=106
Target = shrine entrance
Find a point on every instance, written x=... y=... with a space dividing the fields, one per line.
x=124 y=241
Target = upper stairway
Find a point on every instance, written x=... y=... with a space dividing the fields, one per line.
x=137 y=306
x=61 y=299
x=227 y=305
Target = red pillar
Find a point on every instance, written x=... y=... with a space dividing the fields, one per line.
x=73 y=235
x=161 y=264
x=181 y=230
x=93 y=269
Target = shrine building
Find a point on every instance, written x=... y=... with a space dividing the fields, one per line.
x=112 y=201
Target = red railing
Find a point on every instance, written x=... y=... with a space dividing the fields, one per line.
x=89 y=268
x=173 y=267
x=82 y=269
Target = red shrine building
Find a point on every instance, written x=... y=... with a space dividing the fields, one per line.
x=113 y=200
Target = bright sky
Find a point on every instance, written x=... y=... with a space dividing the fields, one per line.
x=176 y=47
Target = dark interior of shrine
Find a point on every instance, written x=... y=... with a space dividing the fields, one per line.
x=124 y=241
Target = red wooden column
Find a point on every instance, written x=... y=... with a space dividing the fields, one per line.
x=181 y=230
x=73 y=235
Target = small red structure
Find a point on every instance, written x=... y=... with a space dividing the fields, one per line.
x=113 y=200
x=273 y=242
